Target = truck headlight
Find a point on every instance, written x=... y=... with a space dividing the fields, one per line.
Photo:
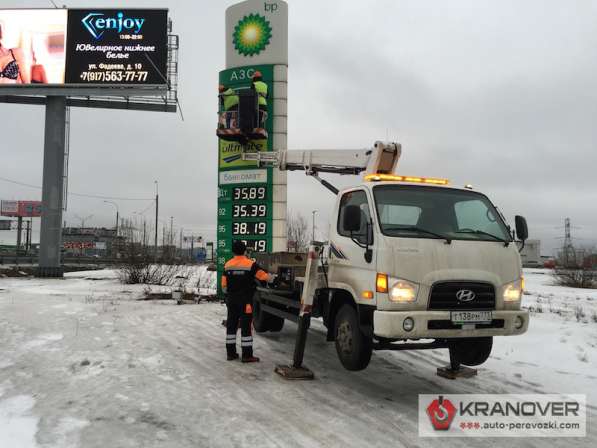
x=403 y=291
x=513 y=291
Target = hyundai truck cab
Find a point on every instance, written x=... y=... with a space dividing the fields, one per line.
x=430 y=261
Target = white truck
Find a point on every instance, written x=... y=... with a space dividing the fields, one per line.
x=411 y=263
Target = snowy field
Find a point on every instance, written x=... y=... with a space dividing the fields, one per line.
x=83 y=363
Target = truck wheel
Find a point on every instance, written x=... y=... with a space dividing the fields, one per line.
x=264 y=321
x=472 y=351
x=260 y=317
x=353 y=347
x=275 y=323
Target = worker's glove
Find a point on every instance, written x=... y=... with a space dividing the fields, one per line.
x=272 y=279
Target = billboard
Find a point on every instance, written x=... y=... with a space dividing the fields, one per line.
x=79 y=245
x=9 y=208
x=90 y=47
x=22 y=209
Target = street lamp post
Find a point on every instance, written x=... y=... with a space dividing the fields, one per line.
x=83 y=220
x=313 y=226
x=117 y=214
x=157 y=202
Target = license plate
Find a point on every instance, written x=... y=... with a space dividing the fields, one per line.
x=470 y=316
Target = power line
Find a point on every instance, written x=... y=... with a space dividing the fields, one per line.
x=19 y=183
x=147 y=208
x=91 y=196
x=110 y=197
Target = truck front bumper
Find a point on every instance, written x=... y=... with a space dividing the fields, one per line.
x=437 y=324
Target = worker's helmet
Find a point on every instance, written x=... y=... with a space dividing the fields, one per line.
x=239 y=248
x=221 y=88
x=257 y=75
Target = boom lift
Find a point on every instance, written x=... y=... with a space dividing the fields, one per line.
x=409 y=260
x=243 y=121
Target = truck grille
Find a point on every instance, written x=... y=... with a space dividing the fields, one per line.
x=443 y=296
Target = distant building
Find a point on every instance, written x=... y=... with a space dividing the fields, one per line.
x=590 y=261
x=89 y=242
x=531 y=254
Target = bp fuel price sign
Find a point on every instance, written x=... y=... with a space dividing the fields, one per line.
x=256 y=59
x=245 y=191
x=244 y=214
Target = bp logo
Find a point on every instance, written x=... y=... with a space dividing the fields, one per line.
x=252 y=35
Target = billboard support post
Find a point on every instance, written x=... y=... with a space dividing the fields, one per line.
x=53 y=187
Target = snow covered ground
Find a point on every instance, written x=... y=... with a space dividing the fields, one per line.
x=83 y=363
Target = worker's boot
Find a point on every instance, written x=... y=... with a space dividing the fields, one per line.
x=248 y=355
x=249 y=359
x=231 y=354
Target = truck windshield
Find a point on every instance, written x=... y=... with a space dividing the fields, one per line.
x=432 y=212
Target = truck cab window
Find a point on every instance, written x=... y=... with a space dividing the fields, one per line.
x=396 y=214
x=358 y=198
x=428 y=212
x=474 y=214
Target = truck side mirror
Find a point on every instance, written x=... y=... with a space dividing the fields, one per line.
x=522 y=230
x=351 y=221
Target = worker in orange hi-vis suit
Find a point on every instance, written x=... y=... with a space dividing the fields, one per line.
x=239 y=282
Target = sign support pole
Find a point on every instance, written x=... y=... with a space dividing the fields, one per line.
x=28 y=236
x=53 y=188
x=19 y=234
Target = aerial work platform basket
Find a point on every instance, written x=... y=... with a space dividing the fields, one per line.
x=243 y=120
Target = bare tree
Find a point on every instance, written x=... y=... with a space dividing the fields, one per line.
x=297 y=232
x=138 y=264
x=576 y=278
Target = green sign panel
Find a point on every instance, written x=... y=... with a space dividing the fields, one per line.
x=245 y=206
x=231 y=153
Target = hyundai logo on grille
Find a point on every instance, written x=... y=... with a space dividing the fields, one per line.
x=465 y=295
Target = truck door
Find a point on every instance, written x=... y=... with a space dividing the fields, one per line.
x=347 y=254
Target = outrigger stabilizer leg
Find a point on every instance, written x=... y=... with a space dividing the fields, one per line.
x=455 y=370
x=297 y=371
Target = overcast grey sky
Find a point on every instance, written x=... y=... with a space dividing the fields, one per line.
x=499 y=94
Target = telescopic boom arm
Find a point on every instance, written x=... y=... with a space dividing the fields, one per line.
x=381 y=159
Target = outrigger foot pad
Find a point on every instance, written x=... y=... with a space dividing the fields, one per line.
x=460 y=372
x=294 y=373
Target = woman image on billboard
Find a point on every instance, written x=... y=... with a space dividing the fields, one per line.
x=13 y=66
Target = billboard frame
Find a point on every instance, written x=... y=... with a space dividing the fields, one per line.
x=57 y=98
x=93 y=95
x=84 y=90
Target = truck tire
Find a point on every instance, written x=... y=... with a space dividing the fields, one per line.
x=353 y=347
x=264 y=321
x=275 y=323
x=260 y=317
x=472 y=351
